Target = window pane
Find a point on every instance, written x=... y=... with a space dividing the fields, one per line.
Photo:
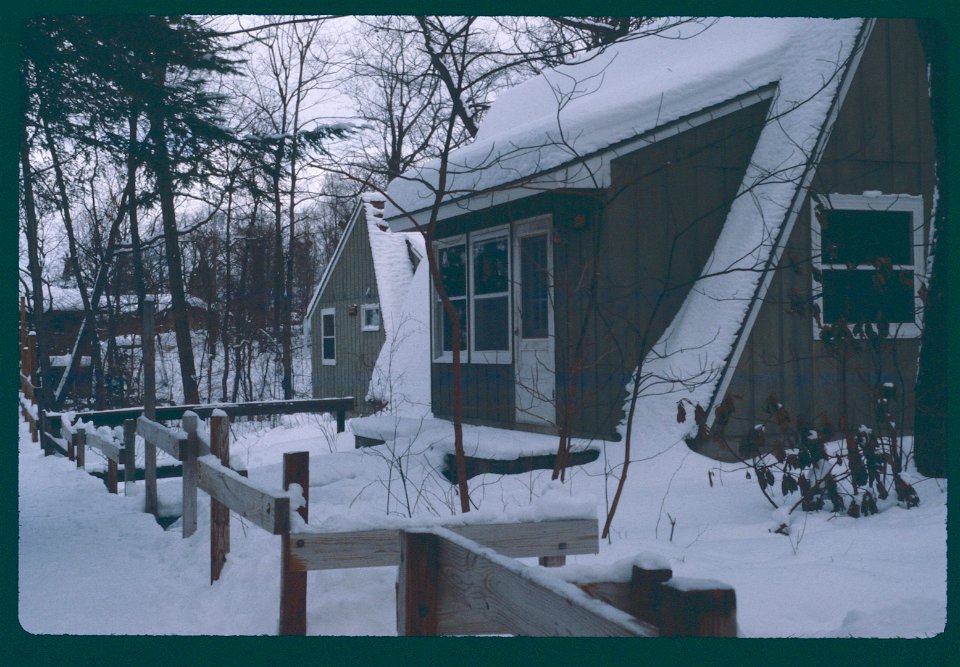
x=491 y=328
x=858 y=237
x=534 y=287
x=855 y=295
x=490 y=268
x=329 y=348
x=453 y=269
x=444 y=319
x=328 y=327
x=371 y=318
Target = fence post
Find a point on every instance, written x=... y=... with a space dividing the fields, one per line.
x=219 y=513
x=417 y=580
x=645 y=587
x=697 y=608
x=71 y=453
x=150 y=504
x=111 y=475
x=191 y=474
x=129 y=455
x=341 y=420
x=31 y=373
x=81 y=442
x=293 y=585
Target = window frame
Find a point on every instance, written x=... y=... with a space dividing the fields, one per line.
x=438 y=354
x=912 y=204
x=366 y=308
x=489 y=356
x=324 y=360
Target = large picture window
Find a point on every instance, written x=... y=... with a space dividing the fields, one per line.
x=868 y=255
x=475 y=272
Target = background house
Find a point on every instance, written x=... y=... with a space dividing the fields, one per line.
x=358 y=309
x=705 y=207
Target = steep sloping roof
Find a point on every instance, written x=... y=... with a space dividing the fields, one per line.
x=391 y=260
x=625 y=95
x=557 y=119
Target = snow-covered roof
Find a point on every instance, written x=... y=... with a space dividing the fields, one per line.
x=623 y=99
x=57 y=297
x=391 y=259
x=629 y=89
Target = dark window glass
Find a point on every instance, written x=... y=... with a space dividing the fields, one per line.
x=447 y=325
x=328 y=327
x=861 y=297
x=491 y=328
x=453 y=269
x=329 y=348
x=490 y=266
x=534 y=287
x=859 y=237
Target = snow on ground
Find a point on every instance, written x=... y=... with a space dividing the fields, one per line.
x=93 y=563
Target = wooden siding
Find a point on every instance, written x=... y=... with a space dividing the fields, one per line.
x=356 y=350
x=674 y=193
x=882 y=141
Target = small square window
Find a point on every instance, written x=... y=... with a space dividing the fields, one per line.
x=370 y=321
x=867 y=251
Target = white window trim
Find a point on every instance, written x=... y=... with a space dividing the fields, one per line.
x=364 y=309
x=439 y=355
x=876 y=202
x=490 y=356
x=323 y=334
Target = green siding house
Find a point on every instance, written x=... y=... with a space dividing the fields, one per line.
x=354 y=310
x=707 y=214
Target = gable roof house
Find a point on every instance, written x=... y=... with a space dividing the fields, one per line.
x=710 y=202
x=358 y=313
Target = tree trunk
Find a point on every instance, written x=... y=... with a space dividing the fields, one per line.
x=181 y=324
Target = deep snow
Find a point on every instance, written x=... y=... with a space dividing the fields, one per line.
x=93 y=563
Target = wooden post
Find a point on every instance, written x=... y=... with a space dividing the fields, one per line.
x=417 y=581
x=149 y=406
x=81 y=442
x=552 y=561
x=190 y=475
x=111 y=476
x=71 y=453
x=129 y=455
x=31 y=373
x=293 y=585
x=341 y=420
x=645 y=587
x=697 y=608
x=219 y=513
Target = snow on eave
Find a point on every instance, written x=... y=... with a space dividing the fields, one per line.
x=708 y=333
x=625 y=91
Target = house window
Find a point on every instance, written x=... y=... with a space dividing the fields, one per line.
x=328 y=336
x=452 y=266
x=476 y=276
x=370 y=320
x=868 y=257
x=490 y=296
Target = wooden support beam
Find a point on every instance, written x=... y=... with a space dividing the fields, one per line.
x=111 y=476
x=269 y=510
x=150 y=503
x=81 y=442
x=417 y=583
x=219 y=513
x=293 y=583
x=449 y=585
x=129 y=455
x=188 y=455
x=697 y=608
x=375 y=548
x=160 y=436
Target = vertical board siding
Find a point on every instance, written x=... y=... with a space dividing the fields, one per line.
x=356 y=350
x=883 y=141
